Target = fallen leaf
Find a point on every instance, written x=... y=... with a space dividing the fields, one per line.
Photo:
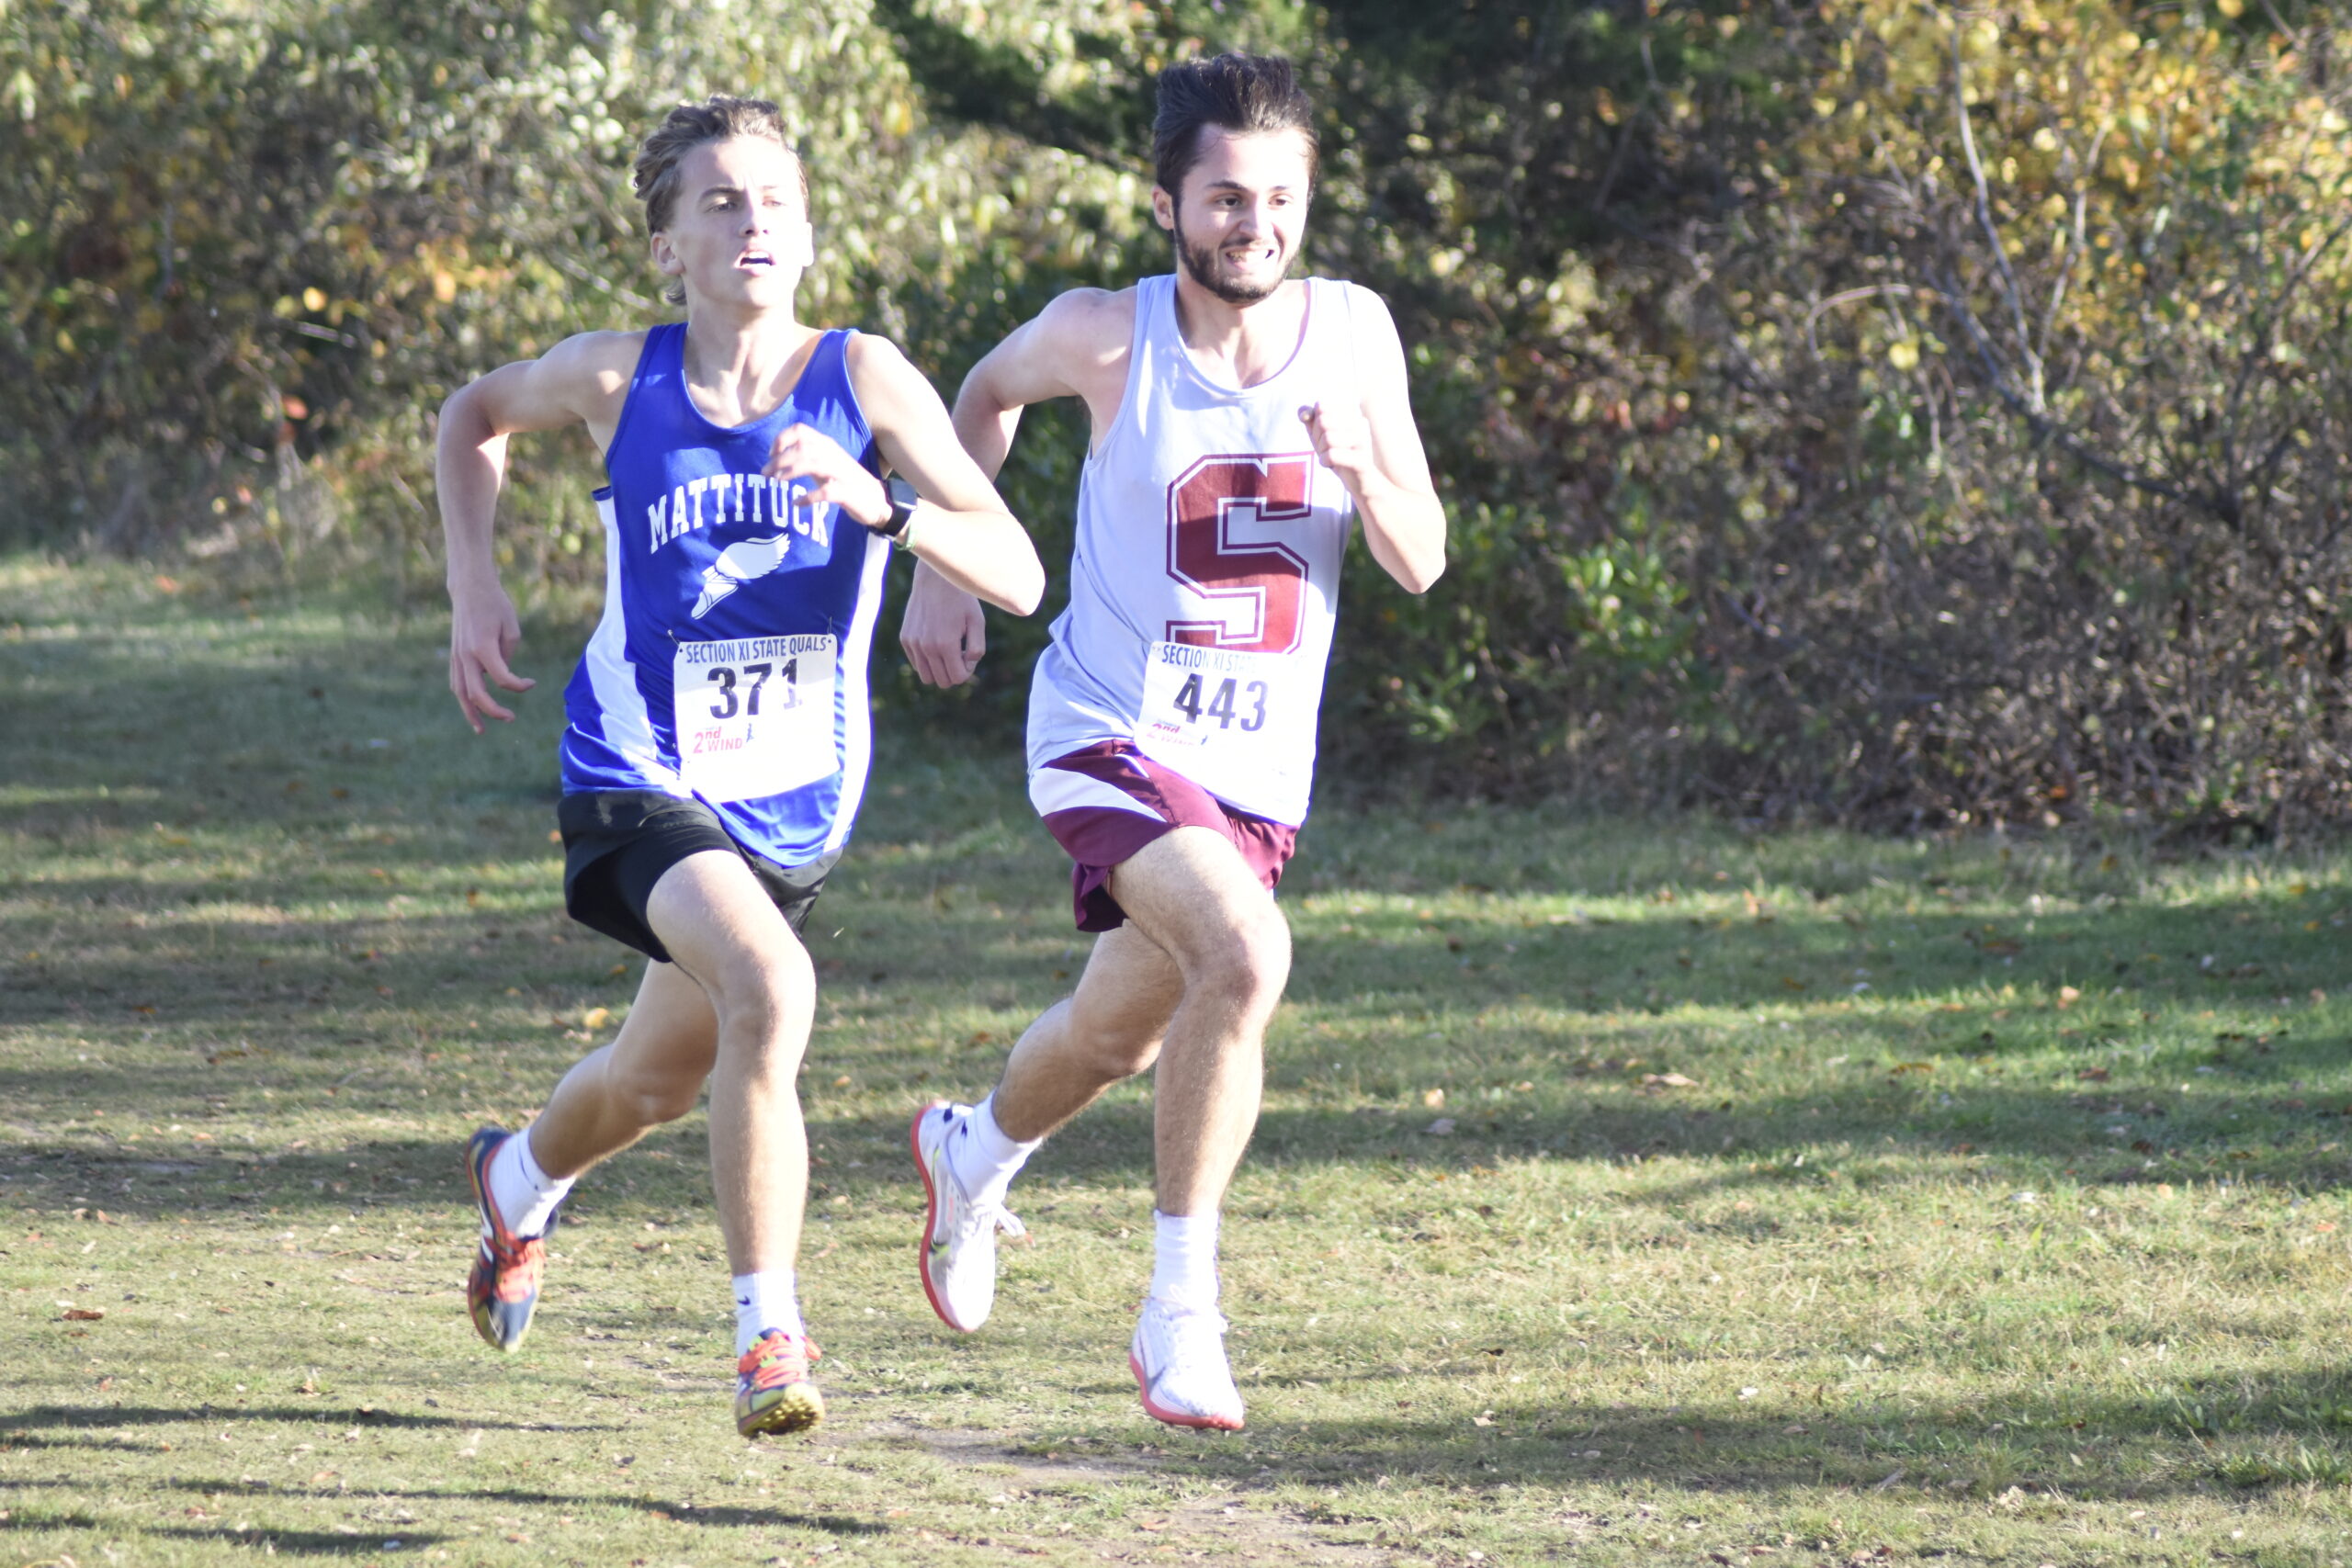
x=594 y=1018
x=85 y=1314
x=1433 y=1097
x=1441 y=1128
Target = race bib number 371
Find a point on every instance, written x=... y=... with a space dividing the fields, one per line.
x=754 y=717
x=1195 y=697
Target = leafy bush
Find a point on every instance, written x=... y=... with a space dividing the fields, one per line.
x=1871 y=410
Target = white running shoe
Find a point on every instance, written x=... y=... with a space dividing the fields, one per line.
x=958 y=1232
x=1180 y=1370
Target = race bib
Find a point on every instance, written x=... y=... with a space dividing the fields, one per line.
x=754 y=717
x=1209 y=698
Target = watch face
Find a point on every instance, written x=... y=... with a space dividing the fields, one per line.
x=903 y=501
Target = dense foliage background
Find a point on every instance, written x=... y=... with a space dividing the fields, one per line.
x=1873 y=409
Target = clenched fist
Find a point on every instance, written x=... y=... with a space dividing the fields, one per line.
x=1343 y=438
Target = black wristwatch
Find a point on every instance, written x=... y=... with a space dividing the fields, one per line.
x=903 y=501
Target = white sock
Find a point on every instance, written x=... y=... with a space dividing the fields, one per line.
x=763 y=1301
x=526 y=1195
x=982 y=1158
x=1183 y=1271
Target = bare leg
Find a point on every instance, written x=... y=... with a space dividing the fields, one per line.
x=1194 y=895
x=733 y=942
x=1190 y=981
x=651 y=1073
x=1107 y=1032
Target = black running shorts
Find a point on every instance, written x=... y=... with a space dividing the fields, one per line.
x=616 y=844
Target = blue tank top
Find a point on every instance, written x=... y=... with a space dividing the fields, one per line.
x=729 y=665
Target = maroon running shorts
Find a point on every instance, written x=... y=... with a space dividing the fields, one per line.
x=1107 y=800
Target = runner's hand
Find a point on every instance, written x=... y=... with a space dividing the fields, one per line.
x=806 y=453
x=483 y=633
x=1343 y=438
x=943 y=632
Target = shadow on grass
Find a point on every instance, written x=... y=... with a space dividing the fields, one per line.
x=679 y=1513
x=1857 y=1130
x=14 y=1426
x=312 y=1543
x=2232 y=1434
x=309 y=1543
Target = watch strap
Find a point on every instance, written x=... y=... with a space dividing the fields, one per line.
x=903 y=501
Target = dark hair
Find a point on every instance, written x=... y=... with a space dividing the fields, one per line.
x=1236 y=93
x=686 y=128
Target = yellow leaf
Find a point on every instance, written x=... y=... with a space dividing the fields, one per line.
x=1903 y=355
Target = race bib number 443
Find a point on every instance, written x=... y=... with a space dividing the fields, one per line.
x=1195 y=697
x=754 y=717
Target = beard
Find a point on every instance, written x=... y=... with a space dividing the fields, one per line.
x=1208 y=269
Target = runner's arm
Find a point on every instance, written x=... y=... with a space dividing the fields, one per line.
x=962 y=530
x=581 y=379
x=1375 y=448
x=1075 y=347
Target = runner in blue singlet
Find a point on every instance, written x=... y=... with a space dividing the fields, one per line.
x=717 y=739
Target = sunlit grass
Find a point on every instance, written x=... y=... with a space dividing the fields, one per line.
x=1628 y=1191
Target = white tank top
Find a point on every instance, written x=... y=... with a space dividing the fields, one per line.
x=1206 y=572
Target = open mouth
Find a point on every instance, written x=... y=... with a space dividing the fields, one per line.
x=756 y=260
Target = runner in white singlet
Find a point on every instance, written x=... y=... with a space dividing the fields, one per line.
x=1207 y=651
x=1242 y=424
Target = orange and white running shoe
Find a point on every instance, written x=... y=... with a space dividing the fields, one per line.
x=773 y=1391
x=959 y=1253
x=1180 y=1370
x=503 y=1286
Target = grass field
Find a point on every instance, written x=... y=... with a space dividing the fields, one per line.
x=1627 y=1191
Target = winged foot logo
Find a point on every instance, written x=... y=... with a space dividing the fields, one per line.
x=736 y=498
x=737 y=564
